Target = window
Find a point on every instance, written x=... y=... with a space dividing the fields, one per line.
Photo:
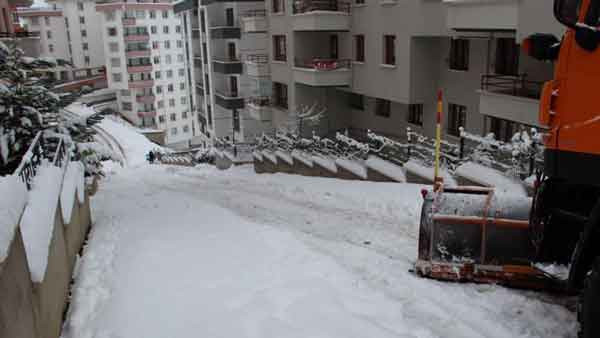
x=161 y=119
x=507 y=57
x=186 y=129
x=47 y=21
x=140 y=14
x=82 y=20
x=389 y=49
x=125 y=92
x=167 y=44
x=280 y=95
x=80 y=6
x=109 y=15
x=112 y=31
x=179 y=57
x=359 y=2
x=51 y=48
x=153 y=29
x=503 y=130
x=83 y=33
x=459 y=54
x=166 y=29
x=156 y=60
x=174 y=131
x=158 y=89
x=182 y=86
x=152 y=14
x=181 y=72
x=113 y=46
x=183 y=100
x=173 y=117
x=157 y=74
x=457 y=117
x=279 y=48
x=84 y=46
x=116 y=77
x=49 y=34
x=35 y=21
x=178 y=29
x=161 y=104
x=357 y=101
x=184 y=115
x=168 y=59
x=86 y=60
x=359 y=48
x=165 y=14
x=126 y=106
x=169 y=74
x=278 y=6
x=115 y=62
x=170 y=89
x=383 y=107
x=179 y=43
x=415 y=114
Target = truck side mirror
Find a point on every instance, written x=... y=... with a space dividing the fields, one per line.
x=543 y=47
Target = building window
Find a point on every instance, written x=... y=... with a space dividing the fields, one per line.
x=86 y=60
x=156 y=60
x=179 y=44
x=161 y=119
x=157 y=74
x=503 y=130
x=186 y=129
x=35 y=21
x=182 y=86
x=152 y=14
x=167 y=44
x=82 y=20
x=170 y=89
x=113 y=46
x=169 y=73
x=359 y=2
x=115 y=62
x=109 y=15
x=125 y=92
x=126 y=106
x=459 y=54
x=166 y=29
x=357 y=101
x=112 y=31
x=359 y=48
x=457 y=117
x=389 y=49
x=168 y=59
x=507 y=57
x=47 y=21
x=50 y=48
x=161 y=104
x=84 y=46
x=174 y=131
x=158 y=89
x=183 y=100
x=153 y=29
x=278 y=6
x=173 y=117
x=83 y=33
x=383 y=107
x=181 y=72
x=279 y=50
x=280 y=95
x=179 y=57
x=116 y=77
x=140 y=14
x=178 y=29
x=415 y=114
x=184 y=115
x=49 y=34
x=80 y=6
x=165 y=14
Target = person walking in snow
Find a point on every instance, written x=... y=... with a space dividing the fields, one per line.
x=151 y=157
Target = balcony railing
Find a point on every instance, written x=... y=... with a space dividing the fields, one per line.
x=138 y=53
x=139 y=68
x=146 y=113
x=305 y=6
x=254 y=13
x=322 y=64
x=259 y=101
x=257 y=58
x=8 y=35
x=137 y=37
x=145 y=98
x=133 y=84
x=128 y=21
x=512 y=85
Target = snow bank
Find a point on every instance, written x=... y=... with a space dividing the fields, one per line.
x=325 y=163
x=135 y=145
x=302 y=158
x=352 y=166
x=490 y=178
x=428 y=172
x=73 y=182
x=37 y=223
x=257 y=156
x=80 y=110
x=11 y=206
x=386 y=168
x=269 y=156
x=285 y=156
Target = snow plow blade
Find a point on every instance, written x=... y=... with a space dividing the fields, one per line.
x=470 y=234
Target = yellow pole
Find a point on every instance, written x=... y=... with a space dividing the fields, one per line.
x=438 y=137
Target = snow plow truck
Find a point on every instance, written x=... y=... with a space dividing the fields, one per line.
x=473 y=234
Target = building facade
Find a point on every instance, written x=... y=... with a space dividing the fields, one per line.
x=146 y=63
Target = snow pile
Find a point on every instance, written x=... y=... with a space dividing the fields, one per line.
x=425 y=172
x=352 y=166
x=490 y=178
x=80 y=109
x=134 y=145
x=285 y=157
x=270 y=156
x=297 y=155
x=257 y=155
x=37 y=223
x=12 y=203
x=73 y=182
x=386 y=168
x=325 y=163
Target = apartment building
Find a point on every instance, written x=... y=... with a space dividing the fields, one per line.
x=68 y=30
x=230 y=67
x=147 y=64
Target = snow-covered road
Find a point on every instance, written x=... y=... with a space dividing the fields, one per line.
x=197 y=252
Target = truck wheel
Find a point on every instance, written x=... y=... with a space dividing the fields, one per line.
x=589 y=304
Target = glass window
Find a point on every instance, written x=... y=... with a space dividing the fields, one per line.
x=173 y=117
x=174 y=131
x=168 y=59
x=457 y=118
x=186 y=128
x=165 y=14
x=153 y=29
x=82 y=20
x=383 y=107
x=126 y=106
x=166 y=29
x=279 y=48
x=80 y=6
x=113 y=46
x=389 y=49
x=161 y=119
x=170 y=89
x=140 y=14
x=83 y=33
x=116 y=77
x=49 y=34
x=84 y=46
x=459 y=54
x=357 y=101
x=115 y=62
x=415 y=114
x=359 y=48
x=169 y=74
x=157 y=74
x=47 y=21
x=184 y=115
x=112 y=31
x=161 y=104
x=51 y=48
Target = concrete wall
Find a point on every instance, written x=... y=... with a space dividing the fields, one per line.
x=35 y=310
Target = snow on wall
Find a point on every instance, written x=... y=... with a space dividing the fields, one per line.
x=490 y=178
x=10 y=209
x=352 y=166
x=285 y=156
x=428 y=172
x=387 y=168
x=269 y=156
x=38 y=219
x=258 y=156
x=325 y=163
x=73 y=182
x=135 y=145
x=302 y=158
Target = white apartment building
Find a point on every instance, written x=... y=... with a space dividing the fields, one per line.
x=69 y=30
x=146 y=63
x=230 y=68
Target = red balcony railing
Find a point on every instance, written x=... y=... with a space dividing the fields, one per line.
x=305 y=6
x=323 y=64
x=139 y=68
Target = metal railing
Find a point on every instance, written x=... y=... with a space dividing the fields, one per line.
x=323 y=64
x=261 y=101
x=254 y=13
x=512 y=85
x=304 y=6
x=60 y=155
x=31 y=161
x=257 y=58
x=227 y=93
x=6 y=35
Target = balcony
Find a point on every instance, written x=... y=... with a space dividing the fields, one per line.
x=135 y=84
x=19 y=35
x=139 y=69
x=254 y=21
x=227 y=66
x=479 y=15
x=144 y=113
x=225 y=32
x=257 y=65
x=137 y=38
x=259 y=108
x=148 y=99
x=321 y=15
x=319 y=72
x=199 y=90
x=127 y=22
x=138 y=53
x=510 y=97
x=229 y=100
